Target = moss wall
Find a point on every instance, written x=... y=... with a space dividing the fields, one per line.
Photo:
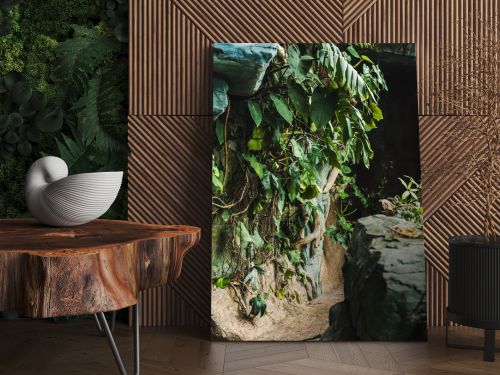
x=74 y=53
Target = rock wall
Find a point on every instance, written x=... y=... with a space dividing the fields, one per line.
x=384 y=283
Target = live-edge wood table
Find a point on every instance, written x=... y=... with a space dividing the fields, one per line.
x=89 y=269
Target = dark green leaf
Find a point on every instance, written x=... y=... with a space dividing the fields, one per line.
x=323 y=104
x=255 y=164
x=21 y=92
x=219 y=131
x=33 y=134
x=299 y=99
x=282 y=108
x=38 y=100
x=27 y=110
x=3 y=88
x=14 y=120
x=24 y=148
x=292 y=188
x=4 y=154
x=298 y=66
x=255 y=112
x=3 y=123
x=11 y=137
x=49 y=119
x=11 y=78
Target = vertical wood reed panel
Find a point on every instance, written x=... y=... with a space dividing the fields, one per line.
x=170 y=66
x=170 y=165
x=433 y=25
x=437 y=296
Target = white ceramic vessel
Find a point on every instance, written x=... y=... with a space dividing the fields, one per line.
x=56 y=199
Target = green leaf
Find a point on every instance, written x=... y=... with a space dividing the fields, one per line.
x=11 y=137
x=297 y=150
x=299 y=99
x=11 y=78
x=4 y=123
x=99 y=117
x=14 y=120
x=255 y=164
x=376 y=111
x=366 y=58
x=257 y=240
x=254 y=144
x=49 y=119
x=24 y=148
x=21 y=92
x=310 y=192
x=282 y=108
x=33 y=134
x=294 y=256
x=74 y=152
x=217 y=183
x=81 y=55
x=27 y=110
x=299 y=66
x=219 y=131
x=245 y=235
x=323 y=104
x=255 y=112
x=38 y=100
x=292 y=188
x=353 y=52
x=222 y=282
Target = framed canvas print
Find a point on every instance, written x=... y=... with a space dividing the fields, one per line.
x=316 y=207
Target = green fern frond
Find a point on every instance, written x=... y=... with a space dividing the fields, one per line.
x=80 y=56
x=98 y=112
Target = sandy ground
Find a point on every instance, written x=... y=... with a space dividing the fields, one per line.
x=283 y=322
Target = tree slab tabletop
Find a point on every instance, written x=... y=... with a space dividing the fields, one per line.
x=100 y=266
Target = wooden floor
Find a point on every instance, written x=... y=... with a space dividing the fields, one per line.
x=43 y=348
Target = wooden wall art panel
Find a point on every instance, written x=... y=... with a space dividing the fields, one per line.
x=170 y=165
x=170 y=107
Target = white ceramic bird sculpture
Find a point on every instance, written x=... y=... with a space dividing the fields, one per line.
x=56 y=199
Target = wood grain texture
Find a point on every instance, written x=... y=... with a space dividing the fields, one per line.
x=42 y=348
x=99 y=266
x=178 y=151
x=170 y=75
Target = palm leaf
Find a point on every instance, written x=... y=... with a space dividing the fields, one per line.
x=344 y=73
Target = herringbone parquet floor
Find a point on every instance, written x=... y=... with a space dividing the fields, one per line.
x=30 y=347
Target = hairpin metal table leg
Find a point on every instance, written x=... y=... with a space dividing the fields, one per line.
x=102 y=324
x=113 y=324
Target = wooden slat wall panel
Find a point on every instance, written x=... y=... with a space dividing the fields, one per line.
x=434 y=26
x=170 y=163
x=174 y=60
x=170 y=107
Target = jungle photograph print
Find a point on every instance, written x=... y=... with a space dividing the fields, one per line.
x=316 y=214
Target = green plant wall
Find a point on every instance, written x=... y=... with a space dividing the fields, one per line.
x=63 y=91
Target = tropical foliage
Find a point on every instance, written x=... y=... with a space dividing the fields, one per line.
x=63 y=89
x=283 y=156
